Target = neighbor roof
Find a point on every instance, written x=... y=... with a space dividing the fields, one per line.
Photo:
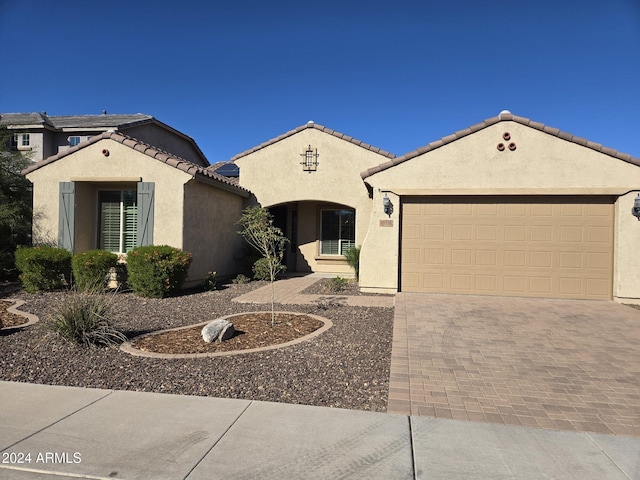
x=502 y=117
x=97 y=121
x=317 y=127
x=191 y=168
x=23 y=119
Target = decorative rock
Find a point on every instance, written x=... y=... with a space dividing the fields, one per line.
x=218 y=330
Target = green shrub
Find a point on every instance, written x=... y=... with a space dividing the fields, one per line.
x=353 y=259
x=92 y=269
x=83 y=318
x=43 y=267
x=157 y=271
x=337 y=284
x=209 y=282
x=241 y=279
x=261 y=269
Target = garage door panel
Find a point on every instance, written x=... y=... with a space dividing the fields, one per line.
x=529 y=246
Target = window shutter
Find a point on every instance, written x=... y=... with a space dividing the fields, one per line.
x=145 y=213
x=66 y=218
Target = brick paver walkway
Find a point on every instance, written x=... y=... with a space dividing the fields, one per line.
x=562 y=364
x=287 y=291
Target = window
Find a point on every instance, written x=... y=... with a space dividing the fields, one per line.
x=73 y=141
x=118 y=221
x=337 y=231
x=26 y=140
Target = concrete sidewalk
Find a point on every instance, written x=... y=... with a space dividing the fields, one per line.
x=50 y=432
x=287 y=292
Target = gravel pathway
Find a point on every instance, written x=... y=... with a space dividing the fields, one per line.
x=345 y=367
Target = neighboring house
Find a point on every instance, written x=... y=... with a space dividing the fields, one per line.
x=114 y=192
x=505 y=207
x=42 y=136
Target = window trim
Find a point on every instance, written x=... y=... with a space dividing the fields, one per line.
x=341 y=241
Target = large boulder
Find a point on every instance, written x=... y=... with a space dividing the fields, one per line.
x=218 y=330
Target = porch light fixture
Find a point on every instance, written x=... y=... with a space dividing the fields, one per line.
x=635 y=211
x=309 y=159
x=387 y=205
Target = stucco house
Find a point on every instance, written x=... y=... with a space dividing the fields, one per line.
x=115 y=192
x=508 y=206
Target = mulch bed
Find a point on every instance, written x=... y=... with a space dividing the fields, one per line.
x=252 y=330
x=346 y=366
x=10 y=319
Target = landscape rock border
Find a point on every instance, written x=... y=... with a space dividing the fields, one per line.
x=130 y=349
x=31 y=319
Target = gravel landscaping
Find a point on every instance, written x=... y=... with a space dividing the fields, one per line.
x=346 y=366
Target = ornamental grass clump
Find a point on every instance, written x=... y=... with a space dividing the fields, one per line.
x=43 y=268
x=83 y=318
x=157 y=271
x=92 y=270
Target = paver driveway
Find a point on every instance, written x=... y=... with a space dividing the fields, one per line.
x=563 y=364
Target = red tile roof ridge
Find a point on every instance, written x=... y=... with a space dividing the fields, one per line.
x=316 y=126
x=149 y=150
x=502 y=117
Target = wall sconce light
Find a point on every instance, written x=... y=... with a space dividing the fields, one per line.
x=635 y=211
x=387 y=205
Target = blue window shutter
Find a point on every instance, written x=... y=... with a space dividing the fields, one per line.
x=66 y=218
x=145 y=213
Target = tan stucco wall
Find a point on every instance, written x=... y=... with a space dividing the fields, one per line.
x=274 y=175
x=210 y=233
x=90 y=165
x=541 y=164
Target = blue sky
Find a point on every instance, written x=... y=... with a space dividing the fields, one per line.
x=397 y=75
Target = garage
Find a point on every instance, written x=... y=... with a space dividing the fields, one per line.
x=531 y=246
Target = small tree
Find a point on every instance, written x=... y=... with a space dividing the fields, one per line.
x=15 y=204
x=258 y=230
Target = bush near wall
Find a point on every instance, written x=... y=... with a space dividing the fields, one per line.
x=92 y=269
x=156 y=271
x=43 y=267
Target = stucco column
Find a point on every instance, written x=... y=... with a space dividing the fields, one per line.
x=626 y=257
x=380 y=249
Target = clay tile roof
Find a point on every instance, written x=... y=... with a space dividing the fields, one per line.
x=317 y=127
x=197 y=171
x=504 y=116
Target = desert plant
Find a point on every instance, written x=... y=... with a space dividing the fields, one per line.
x=352 y=256
x=43 y=267
x=337 y=284
x=261 y=269
x=209 y=281
x=157 y=271
x=258 y=230
x=241 y=279
x=83 y=318
x=92 y=269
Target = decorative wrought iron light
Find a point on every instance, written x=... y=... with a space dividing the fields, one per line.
x=309 y=159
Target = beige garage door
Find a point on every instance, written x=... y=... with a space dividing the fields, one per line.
x=523 y=246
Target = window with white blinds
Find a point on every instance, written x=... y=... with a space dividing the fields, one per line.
x=337 y=231
x=118 y=220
